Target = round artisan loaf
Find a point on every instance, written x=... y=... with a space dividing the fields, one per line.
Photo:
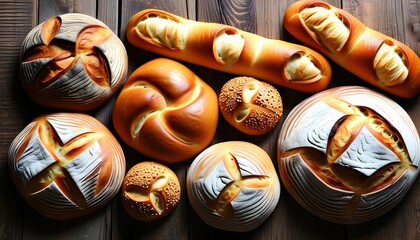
x=166 y=112
x=348 y=154
x=150 y=191
x=66 y=165
x=233 y=186
x=253 y=107
x=72 y=62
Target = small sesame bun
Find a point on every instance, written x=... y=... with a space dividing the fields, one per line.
x=251 y=106
x=150 y=191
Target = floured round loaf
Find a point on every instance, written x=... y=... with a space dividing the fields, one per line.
x=253 y=107
x=150 y=191
x=348 y=154
x=166 y=112
x=233 y=186
x=66 y=165
x=72 y=62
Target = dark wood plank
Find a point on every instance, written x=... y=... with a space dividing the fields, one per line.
x=51 y=8
x=16 y=19
x=397 y=19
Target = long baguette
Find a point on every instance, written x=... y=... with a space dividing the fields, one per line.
x=372 y=56
x=225 y=48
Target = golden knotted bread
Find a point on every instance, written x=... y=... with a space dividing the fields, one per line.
x=225 y=48
x=251 y=106
x=66 y=165
x=374 y=57
x=150 y=191
x=166 y=112
x=73 y=62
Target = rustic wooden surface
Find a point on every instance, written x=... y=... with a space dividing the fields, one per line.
x=397 y=18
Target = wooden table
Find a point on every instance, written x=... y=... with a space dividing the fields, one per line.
x=397 y=18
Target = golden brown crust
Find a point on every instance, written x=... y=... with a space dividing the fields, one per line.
x=166 y=112
x=73 y=62
x=225 y=48
x=66 y=165
x=251 y=106
x=374 y=57
x=150 y=191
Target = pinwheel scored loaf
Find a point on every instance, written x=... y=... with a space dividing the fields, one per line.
x=72 y=62
x=66 y=165
x=348 y=154
x=166 y=112
x=233 y=186
x=374 y=57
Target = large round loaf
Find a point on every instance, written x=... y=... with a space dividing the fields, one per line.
x=166 y=112
x=348 y=154
x=66 y=165
x=72 y=62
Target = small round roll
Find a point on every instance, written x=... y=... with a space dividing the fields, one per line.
x=233 y=186
x=72 y=62
x=150 y=191
x=66 y=165
x=166 y=112
x=253 y=107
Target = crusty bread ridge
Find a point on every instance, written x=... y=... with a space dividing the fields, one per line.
x=225 y=48
x=374 y=57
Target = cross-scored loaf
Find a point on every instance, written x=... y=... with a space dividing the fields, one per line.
x=66 y=165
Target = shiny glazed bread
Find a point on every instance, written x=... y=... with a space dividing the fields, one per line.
x=166 y=112
x=253 y=107
x=150 y=191
x=376 y=58
x=348 y=154
x=72 y=62
x=66 y=165
x=233 y=186
x=225 y=48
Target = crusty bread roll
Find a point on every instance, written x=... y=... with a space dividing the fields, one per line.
x=253 y=107
x=348 y=154
x=66 y=165
x=225 y=48
x=72 y=62
x=374 y=57
x=166 y=112
x=233 y=186
x=150 y=191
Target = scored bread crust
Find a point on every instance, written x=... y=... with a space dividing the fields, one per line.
x=166 y=112
x=66 y=165
x=150 y=191
x=225 y=48
x=376 y=58
x=251 y=106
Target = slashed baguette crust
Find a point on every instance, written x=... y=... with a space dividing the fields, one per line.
x=374 y=57
x=228 y=49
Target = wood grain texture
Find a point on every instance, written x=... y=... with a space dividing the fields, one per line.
x=16 y=19
x=399 y=19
